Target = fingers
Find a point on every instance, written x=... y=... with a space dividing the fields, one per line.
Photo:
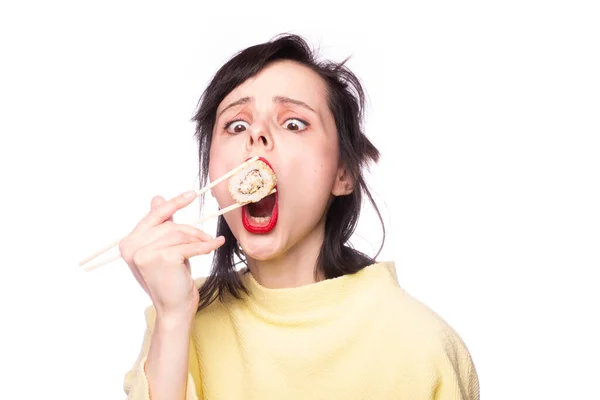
x=200 y=234
x=169 y=228
x=162 y=211
x=174 y=249
x=157 y=242
x=174 y=238
x=199 y=248
x=164 y=235
x=156 y=202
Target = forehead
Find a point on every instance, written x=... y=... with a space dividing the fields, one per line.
x=282 y=78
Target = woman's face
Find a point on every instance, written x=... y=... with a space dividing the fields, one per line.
x=281 y=114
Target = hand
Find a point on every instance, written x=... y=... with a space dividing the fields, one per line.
x=157 y=252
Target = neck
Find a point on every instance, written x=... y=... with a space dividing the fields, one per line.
x=295 y=267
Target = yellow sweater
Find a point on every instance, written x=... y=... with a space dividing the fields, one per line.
x=358 y=336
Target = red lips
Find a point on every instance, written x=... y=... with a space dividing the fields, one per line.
x=247 y=220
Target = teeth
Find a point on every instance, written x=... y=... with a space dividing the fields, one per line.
x=260 y=220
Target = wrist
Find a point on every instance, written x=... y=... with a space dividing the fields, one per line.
x=169 y=321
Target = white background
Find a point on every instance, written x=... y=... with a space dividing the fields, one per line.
x=487 y=115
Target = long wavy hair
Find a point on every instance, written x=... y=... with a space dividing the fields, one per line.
x=346 y=100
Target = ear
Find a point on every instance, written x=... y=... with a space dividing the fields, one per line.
x=344 y=183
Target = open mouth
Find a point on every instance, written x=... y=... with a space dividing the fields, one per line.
x=261 y=217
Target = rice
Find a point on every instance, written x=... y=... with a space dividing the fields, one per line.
x=255 y=181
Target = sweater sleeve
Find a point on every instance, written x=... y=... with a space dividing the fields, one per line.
x=135 y=383
x=458 y=378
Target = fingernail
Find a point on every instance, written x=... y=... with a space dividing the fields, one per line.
x=189 y=195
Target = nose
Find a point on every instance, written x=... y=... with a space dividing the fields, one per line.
x=260 y=136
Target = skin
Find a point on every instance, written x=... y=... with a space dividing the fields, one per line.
x=304 y=158
x=157 y=253
x=309 y=173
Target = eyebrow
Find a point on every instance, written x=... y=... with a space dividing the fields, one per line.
x=243 y=100
x=287 y=100
x=276 y=99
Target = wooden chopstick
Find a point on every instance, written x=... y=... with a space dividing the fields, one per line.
x=227 y=175
x=199 y=192
x=101 y=251
x=197 y=222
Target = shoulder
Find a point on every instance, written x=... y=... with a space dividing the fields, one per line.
x=410 y=314
x=413 y=315
x=419 y=327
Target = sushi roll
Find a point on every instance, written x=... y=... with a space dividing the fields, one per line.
x=255 y=181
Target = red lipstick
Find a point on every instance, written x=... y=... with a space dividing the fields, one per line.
x=252 y=224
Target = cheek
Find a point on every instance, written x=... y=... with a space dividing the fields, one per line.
x=310 y=178
x=324 y=164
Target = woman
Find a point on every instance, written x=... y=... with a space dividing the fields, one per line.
x=309 y=317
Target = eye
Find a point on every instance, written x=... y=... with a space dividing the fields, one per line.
x=237 y=126
x=295 y=124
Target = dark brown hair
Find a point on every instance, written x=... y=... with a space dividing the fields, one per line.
x=346 y=100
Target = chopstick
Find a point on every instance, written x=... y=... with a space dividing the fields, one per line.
x=199 y=192
x=227 y=175
x=197 y=222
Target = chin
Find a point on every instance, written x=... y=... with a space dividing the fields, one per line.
x=260 y=247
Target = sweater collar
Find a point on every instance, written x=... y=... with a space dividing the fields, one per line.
x=319 y=299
